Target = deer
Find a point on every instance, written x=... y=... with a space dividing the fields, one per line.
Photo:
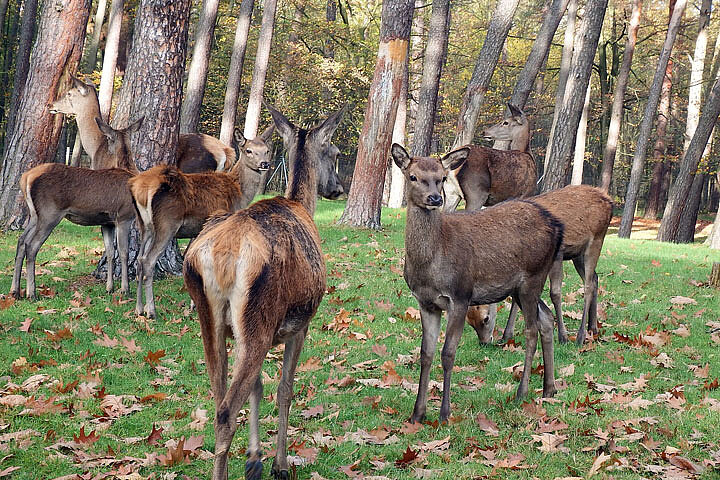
x=454 y=260
x=55 y=191
x=196 y=152
x=490 y=176
x=586 y=213
x=258 y=275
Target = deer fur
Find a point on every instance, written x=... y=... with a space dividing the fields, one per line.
x=454 y=260
x=55 y=191
x=586 y=213
x=490 y=176
x=258 y=275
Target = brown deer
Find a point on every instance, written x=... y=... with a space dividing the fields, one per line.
x=490 y=176
x=586 y=213
x=196 y=152
x=456 y=260
x=258 y=275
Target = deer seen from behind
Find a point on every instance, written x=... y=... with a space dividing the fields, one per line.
x=460 y=259
x=258 y=275
x=490 y=176
x=84 y=196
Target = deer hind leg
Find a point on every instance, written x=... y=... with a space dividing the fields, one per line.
x=293 y=347
x=510 y=326
x=20 y=254
x=556 y=277
x=162 y=237
x=123 y=230
x=592 y=254
x=108 y=233
x=41 y=233
x=455 y=322
x=545 y=324
x=253 y=465
x=147 y=235
x=579 y=263
x=430 y=332
x=528 y=304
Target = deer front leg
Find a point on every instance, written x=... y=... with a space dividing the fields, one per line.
x=430 y=332
x=556 y=276
x=284 y=396
x=20 y=257
x=545 y=321
x=455 y=324
x=123 y=230
x=108 y=234
x=510 y=326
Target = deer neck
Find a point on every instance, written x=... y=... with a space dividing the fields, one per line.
x=249 y=181
x=521 y=142
x=422 y=234
x=302 y=178
x=90 y=135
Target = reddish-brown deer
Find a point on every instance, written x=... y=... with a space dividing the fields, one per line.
x=54 y=191
x=586 y=213
x=456 y=260
x=258 y=275
x=490 y=176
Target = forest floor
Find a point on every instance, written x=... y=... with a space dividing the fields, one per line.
x=89 y=390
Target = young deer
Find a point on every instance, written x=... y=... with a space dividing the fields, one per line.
x=258 y=275
x=195 y=153
x=586 y=212
x=460 y=259
x=491 y=176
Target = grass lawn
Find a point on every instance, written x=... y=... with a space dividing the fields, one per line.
x=88 y=388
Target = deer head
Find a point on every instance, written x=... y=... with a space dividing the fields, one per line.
x=255 y=154
x=515 y=129
x=80 y=100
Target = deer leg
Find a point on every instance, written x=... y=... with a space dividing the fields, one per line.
x=123 y=230
x=108 y=233
x=474 y=200
x=545 y=321
x=253 y=465
x=284 y=397
x=160 y=240
x=592 y=254
x=528 y=305
x=510 y=326
x=430 y=332
x=579 y=263
x=32 y=246
x=455 y=323
x=20 y=255
x=146 y=238
x=556 y=276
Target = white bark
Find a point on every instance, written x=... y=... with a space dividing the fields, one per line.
x=580 y=139
x=252 y=117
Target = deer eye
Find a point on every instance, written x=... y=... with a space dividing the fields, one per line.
x=505 y=123
x=248 y=151
x=413 y=178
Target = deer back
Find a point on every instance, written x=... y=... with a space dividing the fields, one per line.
x=197 y=152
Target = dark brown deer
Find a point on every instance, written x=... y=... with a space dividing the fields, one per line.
x=586 y=213
x=86 y=197
x=258 y=275
x=490 y=176
x=456 y=260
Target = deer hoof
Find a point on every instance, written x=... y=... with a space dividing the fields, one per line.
x=549 y=392
x=562 y=338
x=280 y=474
x=253 y=469
x=580 y=338
x=417 y=418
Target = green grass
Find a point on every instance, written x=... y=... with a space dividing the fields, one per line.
x=637 y=278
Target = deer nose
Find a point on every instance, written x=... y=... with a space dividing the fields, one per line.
x=434 y=200
x=264 y=165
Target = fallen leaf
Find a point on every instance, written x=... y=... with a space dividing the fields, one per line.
x=487 y=425
x=680 y=300
x=311 y=412
x=86 y=439
x=199 y=419
x=153 y=358
x=25 y=325
x=408 y=457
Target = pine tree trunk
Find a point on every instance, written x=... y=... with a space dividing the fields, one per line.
x=715 y=275
x=3 y=11
x=237 y=60
x=365 y=196
x=563 y=140
x=8 y=51
x=252 y=117
x=197 y=73
x=110 y=56
x=689 y=215
x=616 y=114
x=638 y=164
x=34 y=137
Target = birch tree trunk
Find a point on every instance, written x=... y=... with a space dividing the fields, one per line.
x=563 y=139
x=580 y=139
x=394 y=190
x=647 y=121
x=34 y=135
x=110 y=56
x=197 y=73
x=365 y=196
x=616 y=114
x=252 y=117
x=237 y=60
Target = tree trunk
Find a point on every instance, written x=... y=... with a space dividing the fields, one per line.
x=330 y=17
x=110 y=56
x=638 y=164
x=714 y=239
x=237 y=60
x=364 y=200
x=197 y=73
x=680 y=189
x=13 y=22
x=616 y=115
x=394 y=189
x=715 y=275
x=565 y=63
x=580 y=138
x=689 y=215
x=563 y=139
x=3 y=11
x=696 y=73
x=252 y=117
x=34 y=136
x=484 y=67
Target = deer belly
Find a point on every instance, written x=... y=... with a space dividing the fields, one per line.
x=89 y=218
x=190 y=228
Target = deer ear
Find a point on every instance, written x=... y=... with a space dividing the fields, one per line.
x=265 y=136
x=516 y=112
x=134 y=127
x=106 y=129
x=82 y=88
x=285 y=128
x=456 y=158
x=400 y=156
x=327 y=128
x=239 y=137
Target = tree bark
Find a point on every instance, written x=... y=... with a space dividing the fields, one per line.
x=13 y=22
x=34 y=137
x=95 y=40
x=110 y=56
x=565 y=63
x=689 y=214
x=616 y=114
x=562 y=142
x=394 y=189
x=484 y=67
x=580 y=139
x=680 y=189
x=715 y=275
x=237 y=60
x=252 y=117
x=197 y=73
x=714 y=239
x=638 y=164
x=365 y=197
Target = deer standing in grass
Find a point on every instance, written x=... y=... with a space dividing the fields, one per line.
x=490 y=176
x=258 y=275
x=84 y=196
x=586 y=213
x=460 y=259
